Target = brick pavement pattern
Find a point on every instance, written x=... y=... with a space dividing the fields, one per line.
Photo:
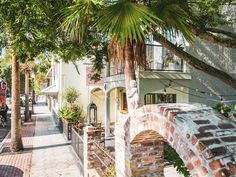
x=18 y=164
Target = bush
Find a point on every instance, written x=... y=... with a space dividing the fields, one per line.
x=71 y=95
x=223 y=109
x=71 y=114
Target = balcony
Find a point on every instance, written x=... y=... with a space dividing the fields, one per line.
x=161 y=59
x=160 y=63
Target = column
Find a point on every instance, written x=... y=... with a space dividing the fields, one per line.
x=107 y=115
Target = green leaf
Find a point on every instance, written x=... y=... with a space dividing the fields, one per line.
x=126 y=21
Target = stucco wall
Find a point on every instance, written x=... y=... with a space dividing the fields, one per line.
x=157 y=86
x=70 y=78
x=217 y=56
x=220 y=57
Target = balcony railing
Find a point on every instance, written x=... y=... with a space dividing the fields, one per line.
x=157 y=59
x=161 y=59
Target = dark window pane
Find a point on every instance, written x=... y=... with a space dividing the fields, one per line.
x=156 y=98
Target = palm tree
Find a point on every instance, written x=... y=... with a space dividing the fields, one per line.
x=130 y=22
x=26 y=68
x=16 y=136
x=125 y=23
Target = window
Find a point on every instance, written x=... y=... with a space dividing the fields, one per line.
x=124 y=106
x=156 y=98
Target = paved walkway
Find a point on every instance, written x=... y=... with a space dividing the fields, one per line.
x=46 y=152
x=52 y=155
x=18 y=164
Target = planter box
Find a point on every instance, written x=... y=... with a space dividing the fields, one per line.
x=67 y=126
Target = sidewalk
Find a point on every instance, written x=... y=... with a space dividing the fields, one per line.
x=18 y=164
x=46 y=152
x=52 y=155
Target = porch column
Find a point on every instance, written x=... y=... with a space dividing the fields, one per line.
x=107 y=115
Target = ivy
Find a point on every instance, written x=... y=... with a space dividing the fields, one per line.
x=171 y=155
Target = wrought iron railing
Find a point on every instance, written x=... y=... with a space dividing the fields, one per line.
x=105 y=159
x=77 y=143
x=161 y=59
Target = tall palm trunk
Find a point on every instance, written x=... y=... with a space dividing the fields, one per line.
x=16 y=136
x=129 y=65
x=27 y=114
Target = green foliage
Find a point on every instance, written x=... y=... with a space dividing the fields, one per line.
x=223 y=109
x=111 y=171
x=71 y=114
x=77 y=19
x=126 y=20
x=71 y=95
x=28 y=26
x=175 y=15
x=5 y=72
x=170 y=153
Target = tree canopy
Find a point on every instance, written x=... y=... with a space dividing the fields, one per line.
x=136 y=20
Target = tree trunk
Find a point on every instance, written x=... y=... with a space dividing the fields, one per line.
x=195 y=62
x=16 y=134
x=129 y=66
x=220 y=31
x=224 y=42
x=27 y=113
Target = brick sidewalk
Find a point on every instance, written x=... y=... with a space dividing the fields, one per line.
x=18 y=164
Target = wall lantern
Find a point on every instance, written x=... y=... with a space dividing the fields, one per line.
x=92 y=113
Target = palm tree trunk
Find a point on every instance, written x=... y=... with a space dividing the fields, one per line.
x=195 y=62
x=27 y=114
x=129 y=65
x=16 y=134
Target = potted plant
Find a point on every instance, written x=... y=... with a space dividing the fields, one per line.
x=71 y=112
x=70 y=116
x=170 y=62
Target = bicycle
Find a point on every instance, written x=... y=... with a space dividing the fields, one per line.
x=2 y=121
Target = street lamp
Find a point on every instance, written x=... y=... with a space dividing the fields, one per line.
x=32 y=100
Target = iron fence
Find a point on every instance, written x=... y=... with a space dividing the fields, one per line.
x=105 y=161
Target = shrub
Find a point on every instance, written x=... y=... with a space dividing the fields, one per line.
x=223 y=109
x=71 y=95
x=71 y=114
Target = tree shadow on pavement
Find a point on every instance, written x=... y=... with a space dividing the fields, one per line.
x=10 y=171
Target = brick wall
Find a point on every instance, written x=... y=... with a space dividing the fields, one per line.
x=90 y=134
x=204 y=140
x=146 y=155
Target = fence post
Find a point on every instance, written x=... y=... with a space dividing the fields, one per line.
x=90 y=134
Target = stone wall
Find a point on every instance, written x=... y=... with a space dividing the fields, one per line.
x=205 y=141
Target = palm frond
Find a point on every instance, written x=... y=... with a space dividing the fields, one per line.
x=175 y=15
x=125 y=20
x=77 y=19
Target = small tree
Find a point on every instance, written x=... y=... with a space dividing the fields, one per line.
x=71 y=95
x=71 y=112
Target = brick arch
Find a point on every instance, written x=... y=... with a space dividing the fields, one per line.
x=205 y=141
x=146 y=142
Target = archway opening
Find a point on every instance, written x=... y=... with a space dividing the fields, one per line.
x=147 y=154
